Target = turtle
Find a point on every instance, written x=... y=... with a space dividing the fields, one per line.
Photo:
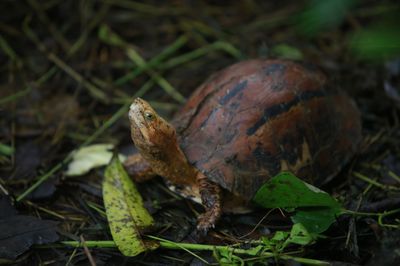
x=241 y=127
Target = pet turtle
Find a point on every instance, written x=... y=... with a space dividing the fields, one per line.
x=243 y=126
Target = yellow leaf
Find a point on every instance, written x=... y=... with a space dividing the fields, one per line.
x=125 y=212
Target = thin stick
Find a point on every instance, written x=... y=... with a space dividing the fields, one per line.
x=87 y=252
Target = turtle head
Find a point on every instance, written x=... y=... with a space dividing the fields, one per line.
x=148 y=129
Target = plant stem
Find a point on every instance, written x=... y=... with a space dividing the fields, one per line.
x=199 y=247
x=374 y=182
x=379 y=215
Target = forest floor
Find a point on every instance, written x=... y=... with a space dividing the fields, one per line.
x=70 y=70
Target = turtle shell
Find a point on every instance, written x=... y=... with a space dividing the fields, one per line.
x=257 y=118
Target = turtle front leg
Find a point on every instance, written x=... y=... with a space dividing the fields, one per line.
x=211 y=199
x=138 y=168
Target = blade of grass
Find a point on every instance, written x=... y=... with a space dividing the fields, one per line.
x=112 y=38
x=228 y=48
x=93 y=90
x=75 y=46
x=219 y=45
x=15 y=96
x=98 y=208
x=155 y=61
x=99 y=16
x=164 y=84
x=8 y=50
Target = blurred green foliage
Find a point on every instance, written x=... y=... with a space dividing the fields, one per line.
x=287 y=51
x=323 y=15
x=378 y=40
x=376 y=43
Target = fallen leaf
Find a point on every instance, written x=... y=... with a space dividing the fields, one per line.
x=126 y=214
x=90 y=157
x=19 y=232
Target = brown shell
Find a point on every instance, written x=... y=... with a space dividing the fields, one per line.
x=257 y=118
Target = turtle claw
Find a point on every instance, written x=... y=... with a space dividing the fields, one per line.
x=206 y=221
x=211 y=199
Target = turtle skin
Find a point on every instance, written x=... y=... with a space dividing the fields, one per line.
x=257 y=118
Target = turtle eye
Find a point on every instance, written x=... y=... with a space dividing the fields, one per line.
x=148 y=116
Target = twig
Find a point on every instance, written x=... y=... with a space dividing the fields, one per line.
x=45 y=210
x=257 y=225
x=87 y=252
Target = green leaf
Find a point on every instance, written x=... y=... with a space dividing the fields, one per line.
x=287 y=51
x=316 y=219
x=89 y=157
x=125 y=211
x=300 y=235
x=6 y=150
x=316 y=210
x=280 y=236
x=285 y=190
x=377 y=43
